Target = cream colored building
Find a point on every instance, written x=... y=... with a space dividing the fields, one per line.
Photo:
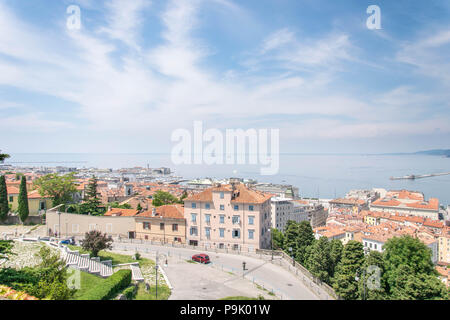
x=165 y=224
x=68 y=224
x=444 y=247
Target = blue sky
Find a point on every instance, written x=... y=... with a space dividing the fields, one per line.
x=138 y=70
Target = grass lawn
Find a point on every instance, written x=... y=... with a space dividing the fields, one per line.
x=88 y=281
x=142 y=294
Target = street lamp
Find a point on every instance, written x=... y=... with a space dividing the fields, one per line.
x=243 y=269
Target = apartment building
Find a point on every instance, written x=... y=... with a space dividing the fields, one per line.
x=444 y=247
x=165 y=224
x=407 y=203
x=232 y=216
x=282 y=210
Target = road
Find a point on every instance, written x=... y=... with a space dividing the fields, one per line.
x=273 y=277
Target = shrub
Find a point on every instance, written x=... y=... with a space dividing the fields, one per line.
x=129 y=292
x=110 y=288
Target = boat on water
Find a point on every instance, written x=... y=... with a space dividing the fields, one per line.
x=413 y=176
x=408 y=177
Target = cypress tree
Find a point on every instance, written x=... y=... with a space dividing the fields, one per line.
x=304 y=240
x=350 y=266
x=23 y=200
x=319 y=259
x=4 y=207
x=92 y=202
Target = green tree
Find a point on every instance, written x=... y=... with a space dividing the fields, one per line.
x=406 y=251
x=161 y=198
x=373 y=286
x=351 y=264
x=94 y=241
x=304 y=240
x=23 y=200
x=319 y=260
x=91 y=201
x=183 y=196
x=409 y=270
x=60 y=188
x=139 y=207
x=4 y=205
x=3 y=156
x=5 y=248
x=291 y=236
x=53 y=276
x=278 y=239
x=120 y=206
x=336 y=248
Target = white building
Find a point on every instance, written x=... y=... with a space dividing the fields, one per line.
x=281 y=212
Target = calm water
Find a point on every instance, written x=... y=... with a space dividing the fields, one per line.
x=326 y=176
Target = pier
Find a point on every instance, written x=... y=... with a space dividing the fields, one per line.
x=413 y=176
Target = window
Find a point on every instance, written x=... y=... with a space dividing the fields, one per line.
x=194 y=205
x=41 y=205
x=236 y=219
x=251 y=220
x=146 y=225
x=251 y=234
x=75 y=228
x=222 y=207
x=193 y=217
x=250 y=208
x=161 y=226
x=208 y=232
x=221 y=232
x=91 y=227
x=222 y=219
x=207 y=206
x=174 y=227
x=109 y=227
x=11 y=198
x=194 y=231
x=236 y=207
x=222 y=195
x=208 y=218
x=236 y=233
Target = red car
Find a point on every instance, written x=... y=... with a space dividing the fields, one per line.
x=202 y=258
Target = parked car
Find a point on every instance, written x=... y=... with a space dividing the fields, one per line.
x=44 y=238
x=68 y=241
x=202 y=258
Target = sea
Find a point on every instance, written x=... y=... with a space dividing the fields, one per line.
x=316 y=175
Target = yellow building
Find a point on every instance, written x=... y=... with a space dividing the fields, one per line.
x=165 y=224
x=36 y=203
x=444 y=247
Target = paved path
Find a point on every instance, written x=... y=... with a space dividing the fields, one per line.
x=263 y=272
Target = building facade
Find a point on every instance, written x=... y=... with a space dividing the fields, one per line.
x=230 y=216
x=68 y=224
x=165 y=224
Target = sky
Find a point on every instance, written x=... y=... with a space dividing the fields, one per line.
x=138 y=70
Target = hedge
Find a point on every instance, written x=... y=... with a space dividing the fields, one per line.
x=110 y=288
x=129 y=292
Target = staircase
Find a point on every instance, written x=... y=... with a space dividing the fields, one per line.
x=136 y=273
x=84 y=263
